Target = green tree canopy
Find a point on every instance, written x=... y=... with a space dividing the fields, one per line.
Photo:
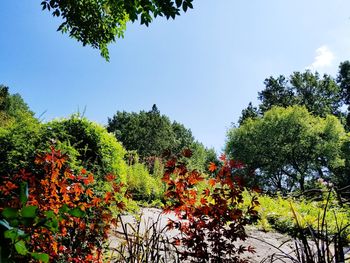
x=19 y=132
x=12 y=107
x=151 y=134
x=320 y=95
x=98 y=22
x=289 y=147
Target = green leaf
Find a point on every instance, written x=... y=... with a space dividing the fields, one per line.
x=23 y=195
x=43 y=257
x=10 y=213
x=20 y=247
x=13 y=234
x=64 y=209
x=29 y=211
x=50 y=214
x=52 y=224
x=77 y=212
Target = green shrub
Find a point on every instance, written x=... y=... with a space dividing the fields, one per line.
x=19 y=132
x=88 y=143
x=142 y=185
x=18 y=141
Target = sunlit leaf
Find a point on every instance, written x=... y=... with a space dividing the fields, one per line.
x=20 y=247
x=42 y=257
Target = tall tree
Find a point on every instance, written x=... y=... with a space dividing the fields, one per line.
x=19 y=132
x=277 y=92
x=149 y=133
x=343 y=80
x=98 y=22
x=12 y=107
x=289 y=147
x=249 y=112
x=320 y=95
x=183 y=137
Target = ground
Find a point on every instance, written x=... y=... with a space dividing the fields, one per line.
x=266 y=244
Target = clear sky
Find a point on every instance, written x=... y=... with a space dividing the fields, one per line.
x=201 y=69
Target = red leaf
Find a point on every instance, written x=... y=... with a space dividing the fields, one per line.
x=257 y=189
x=251 y=249
x=187 y=153
x=222 y=157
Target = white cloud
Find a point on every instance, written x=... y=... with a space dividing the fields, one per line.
x=324 y=58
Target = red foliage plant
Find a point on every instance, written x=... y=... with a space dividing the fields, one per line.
x=210 y=221
x=68 y=222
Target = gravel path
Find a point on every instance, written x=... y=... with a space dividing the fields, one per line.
x=264 y=243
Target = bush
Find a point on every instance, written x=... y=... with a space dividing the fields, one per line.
x=89 y=145
x=53 y=214
x=142 y=185
x=211 y=221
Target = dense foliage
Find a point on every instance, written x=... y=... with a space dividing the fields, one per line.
x=320 y=95
x=88 y=143
x=19 y=133
x=53 y=214
x=98 y=22
x=151 y=134
x=289 y=147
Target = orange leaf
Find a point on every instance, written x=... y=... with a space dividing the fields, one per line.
x=108 y=196
x=96 y=201
x=257 y=189
x=193 y=193
x=66 y=198
x=211 y=182
x=10 y=186
x=89 y=192
x=212 y=167
x=89 y=179
x=110 y=177
x=203 y=201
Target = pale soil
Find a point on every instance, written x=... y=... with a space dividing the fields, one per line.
x=265 y=243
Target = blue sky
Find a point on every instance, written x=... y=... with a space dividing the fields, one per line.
x=201 y=69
